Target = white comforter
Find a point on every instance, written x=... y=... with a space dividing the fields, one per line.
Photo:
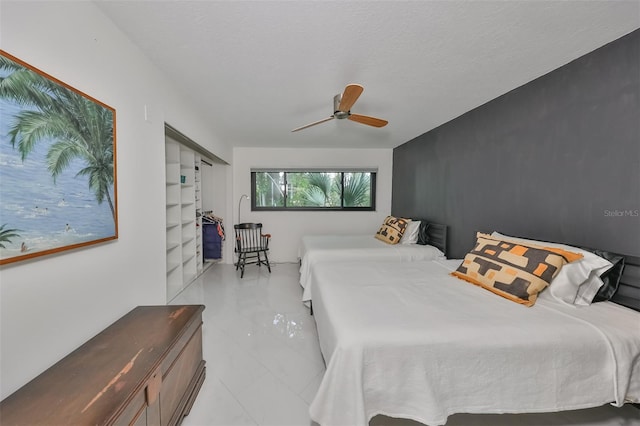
x=408 y=340
x=316 y=249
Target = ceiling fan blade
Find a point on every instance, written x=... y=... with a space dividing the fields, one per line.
x=371 y=121
x=313 y=124
x=349 y=97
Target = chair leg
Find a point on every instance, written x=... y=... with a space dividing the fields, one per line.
x=241 y=262
x=267 y=261
x=259 y=261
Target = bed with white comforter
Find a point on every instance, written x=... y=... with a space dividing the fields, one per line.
x=318 y=249
x=440 y=346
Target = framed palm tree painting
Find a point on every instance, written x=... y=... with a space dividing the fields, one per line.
x=57 y=165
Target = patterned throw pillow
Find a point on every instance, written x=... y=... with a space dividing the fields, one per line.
x=515 y=271
x=392 y=230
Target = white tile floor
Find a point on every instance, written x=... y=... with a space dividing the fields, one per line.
x=264 y=364
x=260 y=344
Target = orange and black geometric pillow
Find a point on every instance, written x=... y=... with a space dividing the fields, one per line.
x=515 y=271
x=392 y=230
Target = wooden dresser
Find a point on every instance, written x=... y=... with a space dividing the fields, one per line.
x=144 y=369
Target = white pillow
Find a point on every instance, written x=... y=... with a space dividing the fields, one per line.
x=410 y=235
x=578 y=282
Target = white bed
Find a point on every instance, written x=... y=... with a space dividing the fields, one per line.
x=408 y=340
x=318 y=249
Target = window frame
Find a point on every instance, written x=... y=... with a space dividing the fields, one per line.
x=342 y=171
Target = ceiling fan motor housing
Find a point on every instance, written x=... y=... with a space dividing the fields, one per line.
x=336 y=104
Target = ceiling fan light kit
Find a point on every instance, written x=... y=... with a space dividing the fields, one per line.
x=342 y=104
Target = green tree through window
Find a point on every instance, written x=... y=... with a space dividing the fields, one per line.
x=313 y=190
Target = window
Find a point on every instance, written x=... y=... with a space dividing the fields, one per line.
x=313 y=189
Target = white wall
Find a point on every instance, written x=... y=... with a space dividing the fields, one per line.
x=51 y=305
x=287 y=228
x=214 y=187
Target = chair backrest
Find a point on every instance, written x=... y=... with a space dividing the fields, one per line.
x=249 y=237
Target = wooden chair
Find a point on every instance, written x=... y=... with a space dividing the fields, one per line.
x=250 y=243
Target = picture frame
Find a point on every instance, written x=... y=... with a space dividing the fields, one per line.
x=58 y=181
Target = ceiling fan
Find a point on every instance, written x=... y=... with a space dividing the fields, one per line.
x=342 y=104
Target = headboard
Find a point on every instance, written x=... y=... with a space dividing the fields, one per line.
x=434 y=234
x=628 y=293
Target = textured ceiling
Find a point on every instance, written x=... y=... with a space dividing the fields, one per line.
x=262 y=68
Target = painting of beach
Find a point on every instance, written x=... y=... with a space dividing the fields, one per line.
x=57 y=165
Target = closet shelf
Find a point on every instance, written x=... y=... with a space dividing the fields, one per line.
x=184 y=197
x=172 y=266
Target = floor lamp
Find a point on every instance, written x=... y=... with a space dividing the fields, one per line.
x=240 y=204
x=240 y=221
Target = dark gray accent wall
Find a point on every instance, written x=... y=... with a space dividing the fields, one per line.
x=557 y=159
